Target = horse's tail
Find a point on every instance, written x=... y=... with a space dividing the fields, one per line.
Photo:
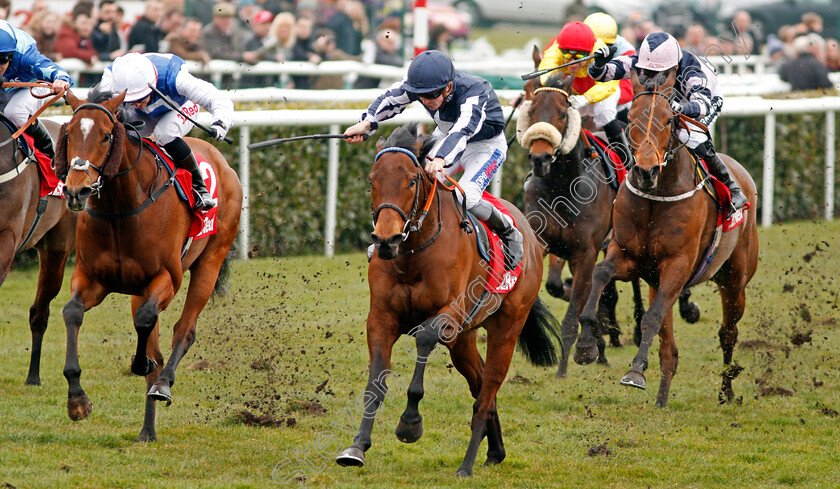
x=535 y=339
x=221 y=287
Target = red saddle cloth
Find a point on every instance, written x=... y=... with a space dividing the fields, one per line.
x=203 y=222
x=724 y=201
x=499 y=280
x=610 y=157
x=50 y=184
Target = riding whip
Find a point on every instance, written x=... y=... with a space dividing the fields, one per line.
x=177 y=108
x=272 y=142
x=534 y=74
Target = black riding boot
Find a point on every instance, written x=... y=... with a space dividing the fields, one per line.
x=184 y=158
x=42 y=138
x=511 y=236
x=721 y=172
x=618 y=142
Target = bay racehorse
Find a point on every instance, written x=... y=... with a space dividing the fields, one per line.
x=568 y=201
x=31 y=221
x=663 y=225
x=427 y=280
x=131 y=231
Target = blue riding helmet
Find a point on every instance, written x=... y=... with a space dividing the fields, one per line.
x=8 y=41
x=430 y=71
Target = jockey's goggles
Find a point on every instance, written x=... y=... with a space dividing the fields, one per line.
x=572 y=54
x=6 y=57
x=432 y=95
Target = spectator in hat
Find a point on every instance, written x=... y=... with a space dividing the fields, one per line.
x=145 y=36
x=186 y=42
x=222 y=37
x=256 y=40
x=805 y=71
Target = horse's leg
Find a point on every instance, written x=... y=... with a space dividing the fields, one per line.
x=615 y=266
x=382 y=333
x=581 y=264
x=638 y=311
x=147 y=433
x=554 y=284
x=734 y=299
x=85 y=294
x=7 y=244
x=410 y=427
x=50 y=276
x=502 y=332
x=689 y=311
x=158 y=295
x=203 y=275
x=606 y=316
x=668 y=358
x=673 y=273
x=467 y=360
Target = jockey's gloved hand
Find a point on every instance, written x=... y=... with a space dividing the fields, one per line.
x=676 y=106
x=603 y=55
x=219 y=129
x=578 y=101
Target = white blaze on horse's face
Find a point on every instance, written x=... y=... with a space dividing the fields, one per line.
x=86 y=125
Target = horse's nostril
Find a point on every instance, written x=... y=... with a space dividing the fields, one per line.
x=395 y=240
x=85 y=192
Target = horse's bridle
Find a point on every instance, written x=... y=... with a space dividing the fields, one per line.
x=672 y=121
x=555 y=157
x=412 y=225
x=83 y=165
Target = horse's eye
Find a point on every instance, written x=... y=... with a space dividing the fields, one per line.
x=562 y=116
x=106 y=138
x=412 y=183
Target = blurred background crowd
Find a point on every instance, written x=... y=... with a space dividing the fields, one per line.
x=798 y=37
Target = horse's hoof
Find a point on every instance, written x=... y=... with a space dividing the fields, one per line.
x=584 y=355
x=690 y=313
x=33 y=381
x=494 y=458
x=351 y=457
x=408 y=432
x=561 y=372
x=146 y=436
x=79 y=407
x=634 y=379
x=462 y=472
x=602 y=360
x=562 y=291
x=160 y=392
x=143 y=369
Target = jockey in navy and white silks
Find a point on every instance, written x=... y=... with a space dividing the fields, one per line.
x=133 y=73
x=20 y=61
x=470 y=131
x=696 y=88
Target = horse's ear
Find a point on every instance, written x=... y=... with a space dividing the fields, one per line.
x=634 y=80
x=568 y=81
x=672 y=78
x=380 y=145
x=72 y=99
x=536 y=55
x=60 y=166
x=114 y=104
x=418 y=144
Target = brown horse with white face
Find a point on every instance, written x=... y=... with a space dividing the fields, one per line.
x=663 y=225
x=131 y=231
x=30 y=221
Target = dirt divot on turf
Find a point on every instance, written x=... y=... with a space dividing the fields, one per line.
x=599 y=450
x=248 y=418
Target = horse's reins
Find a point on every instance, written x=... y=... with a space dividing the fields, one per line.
x=412 y=225
x=82 y=165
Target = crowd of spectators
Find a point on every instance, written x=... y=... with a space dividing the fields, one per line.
x=252 y=31
x=248 y=31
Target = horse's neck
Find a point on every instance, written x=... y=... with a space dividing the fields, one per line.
x=449 y=219
x=130 y=189
x=567 y=168
x=678 y=175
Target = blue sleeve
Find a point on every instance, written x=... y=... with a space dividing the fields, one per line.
x=388 y=105
x=471 y=119
x=616 y=69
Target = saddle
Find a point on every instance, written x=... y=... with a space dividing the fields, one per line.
x=613 y=167
x=499 y=280
x=718 y=192
x=203 y=222
x=50 y=184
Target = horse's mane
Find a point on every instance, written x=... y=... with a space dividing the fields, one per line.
x=406 y=137
x=97 y=95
